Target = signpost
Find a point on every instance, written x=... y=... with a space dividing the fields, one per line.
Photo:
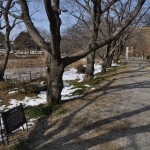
x=12 y=120
x=127 y=54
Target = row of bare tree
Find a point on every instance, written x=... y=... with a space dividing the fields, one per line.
x=100 y=23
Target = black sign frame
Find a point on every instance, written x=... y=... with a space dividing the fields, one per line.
x=13 y=119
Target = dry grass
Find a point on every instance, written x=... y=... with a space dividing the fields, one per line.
x=32 y=61
x=22 y=61
x=78 y=63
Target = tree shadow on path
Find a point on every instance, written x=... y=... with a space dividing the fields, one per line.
x=72 y=140
x=84 y=144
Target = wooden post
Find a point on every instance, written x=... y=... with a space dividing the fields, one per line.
x=127 y=54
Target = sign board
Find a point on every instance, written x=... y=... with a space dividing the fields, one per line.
x=13 y=119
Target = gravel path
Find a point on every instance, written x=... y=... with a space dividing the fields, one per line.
x=114 y=116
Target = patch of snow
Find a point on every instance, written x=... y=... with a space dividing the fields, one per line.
x=71 y=97
x=28 y=101
x=12 y=92
x=13 y=103
x=97 y=68
x=87 y=85
x=67 y=90
x=29 y=124
x=33 y=119
x=72 y=75
x=114 y=64
x=2 y=107
x=66 y=84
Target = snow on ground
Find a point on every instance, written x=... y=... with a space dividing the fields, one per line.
x=12 y=92
x=66 y=92
x=114 y=64
x=72 y=75
x=41 y=97
x=97 y=68
x=28 y=101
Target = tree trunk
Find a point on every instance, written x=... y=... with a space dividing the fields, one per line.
x=109 y=60
x=7 y=52
x=1 y=74
x=117 y=56
x=54 y=80
x=89 y=72
x=103 y=67
x=8 y=29
x=118 y=53
x=105 y=63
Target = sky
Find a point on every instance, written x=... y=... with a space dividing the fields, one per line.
x=40 y=20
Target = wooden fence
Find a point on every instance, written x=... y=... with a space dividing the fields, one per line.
x=25 y=77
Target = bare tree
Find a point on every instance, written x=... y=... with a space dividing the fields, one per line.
x=139 y=43
x=146 y=19
x=5 y=7
x=96 y=10
x=75 y=38
x=54 y=62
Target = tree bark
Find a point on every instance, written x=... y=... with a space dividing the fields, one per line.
x=1 y=74
x=103 y=66
x=7 y=40
x=110 y=59
x=97 y=12
x=54 y=72
x=118 y=53
x=89 y=72
x=7 y=52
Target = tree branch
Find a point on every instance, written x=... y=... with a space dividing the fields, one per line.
x=97 y=45
x=31 y=28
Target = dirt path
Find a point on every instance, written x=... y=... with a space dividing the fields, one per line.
x=115 y=116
